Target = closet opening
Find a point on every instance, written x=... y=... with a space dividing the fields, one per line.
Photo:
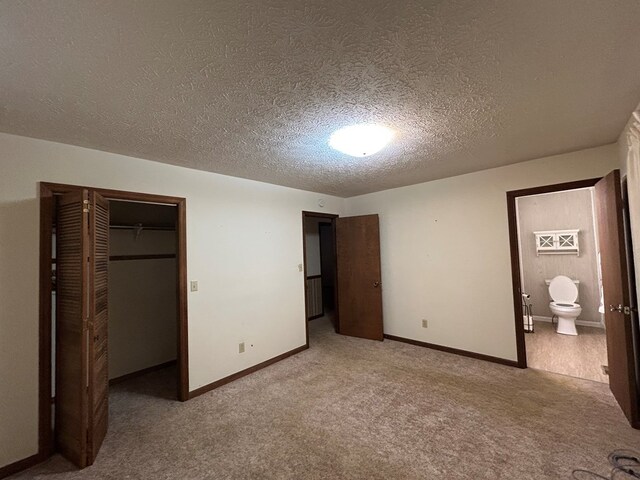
x=142 y=297
x=113 y=310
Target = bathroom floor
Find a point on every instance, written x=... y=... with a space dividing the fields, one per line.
x=581 y=356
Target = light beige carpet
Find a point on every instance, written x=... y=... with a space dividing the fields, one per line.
x=580 y=356
x=358 y=409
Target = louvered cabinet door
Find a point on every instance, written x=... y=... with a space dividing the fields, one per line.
x=72 y=376
x=82 y=377
x=98 y=324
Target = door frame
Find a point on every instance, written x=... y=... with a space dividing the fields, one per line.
x=633 y=291
x=515 y=252
x=47 y=214
x=332 y=219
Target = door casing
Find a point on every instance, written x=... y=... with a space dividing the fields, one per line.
x=48 y=191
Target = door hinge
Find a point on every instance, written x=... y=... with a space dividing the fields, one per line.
x=87 y=206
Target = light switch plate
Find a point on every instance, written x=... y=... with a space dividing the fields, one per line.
x=425 y=323
x=241 y=347
x=194 y=285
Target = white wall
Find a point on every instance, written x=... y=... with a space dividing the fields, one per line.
x=244 y=245
x=142 y=301
x=445 y=250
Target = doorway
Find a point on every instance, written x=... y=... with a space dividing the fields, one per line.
x=353 y=274
x=558 y=242
x=621 y=324
x=142 y=289
x=63 y=232
x=320 y=271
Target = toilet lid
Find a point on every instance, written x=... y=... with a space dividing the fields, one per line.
x=562 y=289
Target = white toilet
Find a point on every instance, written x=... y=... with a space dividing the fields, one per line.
x=564 y=293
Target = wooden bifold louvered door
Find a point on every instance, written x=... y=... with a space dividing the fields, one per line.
x=82 y=381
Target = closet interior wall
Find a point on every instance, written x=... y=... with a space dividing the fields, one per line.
x=142 y=287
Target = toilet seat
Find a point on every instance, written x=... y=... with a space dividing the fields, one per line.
x=565 y=305
x=563 y=290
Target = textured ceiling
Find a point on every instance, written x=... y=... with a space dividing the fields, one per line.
x=254 y=88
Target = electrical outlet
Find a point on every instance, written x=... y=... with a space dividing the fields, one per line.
x=425 y=324
x=194 y=285
x=241 y=347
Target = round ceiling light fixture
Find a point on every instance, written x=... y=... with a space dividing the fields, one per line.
x=361 y=140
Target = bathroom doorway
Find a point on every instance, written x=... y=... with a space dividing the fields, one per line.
x=561 y=283
x=616 y=302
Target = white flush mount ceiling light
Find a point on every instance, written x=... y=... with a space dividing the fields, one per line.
x=361 y=140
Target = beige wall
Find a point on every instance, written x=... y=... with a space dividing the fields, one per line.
x=244 y=244
x=560 y=211
x=445 y=250
x=142 y=302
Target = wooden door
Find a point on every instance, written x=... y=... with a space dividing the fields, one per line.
x=615 y=282
x=359 y=278
x=81 y=406
x=98 y=324
x=72 y=313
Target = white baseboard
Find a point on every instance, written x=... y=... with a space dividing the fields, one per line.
x=582 y=323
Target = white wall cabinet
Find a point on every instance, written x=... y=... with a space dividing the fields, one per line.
x=557 y=242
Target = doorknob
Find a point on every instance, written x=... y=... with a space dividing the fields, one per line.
x=376 y=284
x=622 y=309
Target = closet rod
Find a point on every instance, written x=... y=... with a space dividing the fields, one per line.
x=142 y=227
